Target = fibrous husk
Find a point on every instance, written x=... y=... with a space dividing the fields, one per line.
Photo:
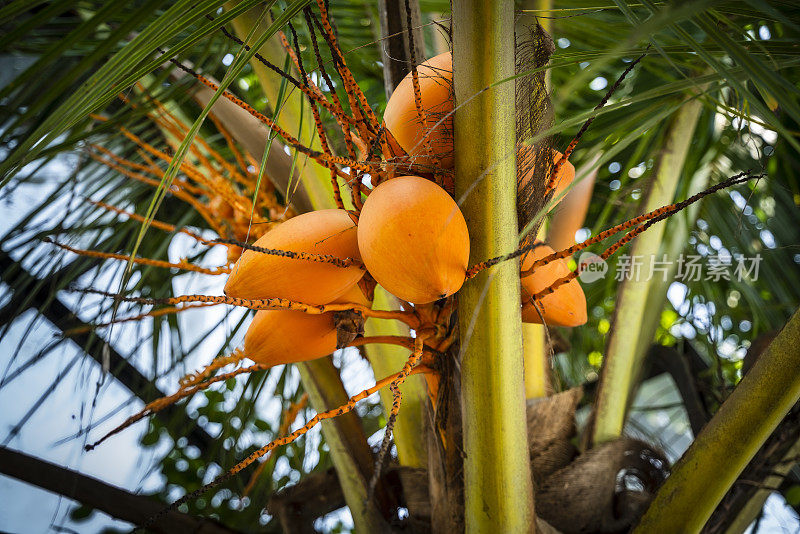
x=534 y=113
x=604 y=490
x=349 y=325
x=551 y=427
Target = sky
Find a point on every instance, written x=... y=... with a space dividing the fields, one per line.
x=47 y=432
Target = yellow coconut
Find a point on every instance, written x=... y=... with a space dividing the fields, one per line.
x=566 y=306
x=413 y=239
x=257 y=275
x=402 y=120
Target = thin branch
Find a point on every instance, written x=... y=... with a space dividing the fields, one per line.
x=112 y=500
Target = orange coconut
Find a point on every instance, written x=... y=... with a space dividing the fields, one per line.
x=566 y=306
x=257 y=275
x=402 y=120
x=525 y=159
x=286 y=336
x=570 y=215
x=413 y=239
x=354 y=295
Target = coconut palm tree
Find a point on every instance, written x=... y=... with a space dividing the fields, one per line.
x=114 y=151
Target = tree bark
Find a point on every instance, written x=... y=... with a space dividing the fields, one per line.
x=394 y=46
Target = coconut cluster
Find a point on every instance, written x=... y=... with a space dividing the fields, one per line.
x=410 y=236
x=427 y=138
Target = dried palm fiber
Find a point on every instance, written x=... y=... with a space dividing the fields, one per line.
x=551 y=427
x=534 y=112
x=350 y=323
x=605 y=490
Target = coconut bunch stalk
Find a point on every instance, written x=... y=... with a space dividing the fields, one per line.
x=221 y=191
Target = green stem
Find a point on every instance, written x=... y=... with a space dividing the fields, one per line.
x=743 y=517
x=498 y=495
x=733 y=436
x=674 y=243
x=345 y=437
x=622 y=354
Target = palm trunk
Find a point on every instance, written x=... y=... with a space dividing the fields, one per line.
x=345 y=437
x=498 y=494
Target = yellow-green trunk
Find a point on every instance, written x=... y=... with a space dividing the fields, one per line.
x=498 y=492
